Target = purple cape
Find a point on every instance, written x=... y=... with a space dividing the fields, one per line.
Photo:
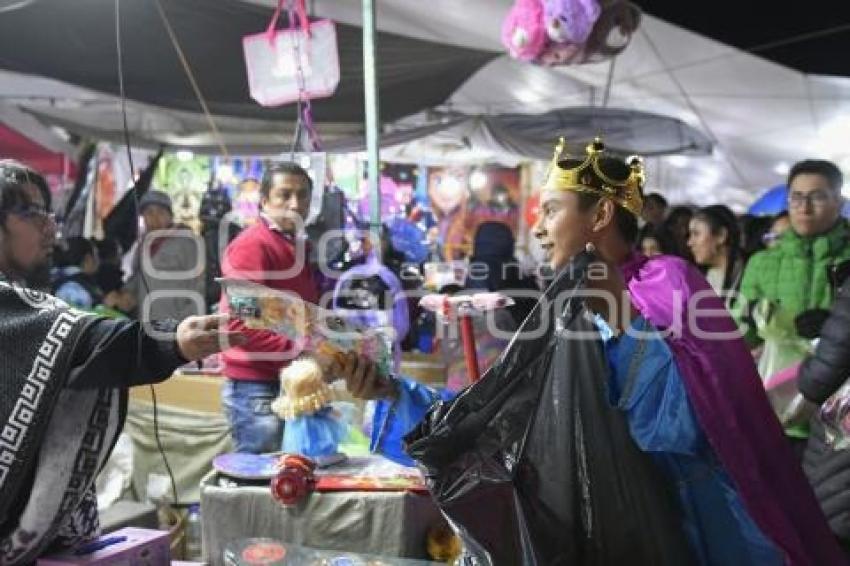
x=730 y=403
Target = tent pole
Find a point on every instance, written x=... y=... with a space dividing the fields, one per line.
x=372 y=118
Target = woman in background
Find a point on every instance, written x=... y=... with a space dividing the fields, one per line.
x=714 y=240
x=673 y=232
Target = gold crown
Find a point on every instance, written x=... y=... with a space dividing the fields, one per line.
x=588 y=177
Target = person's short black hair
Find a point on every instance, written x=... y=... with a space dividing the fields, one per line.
x=625 y=222
x=14 y=178
x=657 y=198
x=753 y=229
x=822 y=167
x=282 y=167
x=679 y=213
x=72 y=251
x=720 y=217
x=108 y=250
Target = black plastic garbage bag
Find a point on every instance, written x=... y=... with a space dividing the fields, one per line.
x=533 y=466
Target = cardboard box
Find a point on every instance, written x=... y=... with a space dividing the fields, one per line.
x=141 y=547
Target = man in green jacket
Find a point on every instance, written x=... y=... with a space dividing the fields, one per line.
x=787 y=287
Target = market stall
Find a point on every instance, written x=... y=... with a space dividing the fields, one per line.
x=160 y=108
x=369 y=506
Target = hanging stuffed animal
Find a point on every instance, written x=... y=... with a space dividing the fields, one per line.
x=570 y=21
x=605 y=29
x=569 y=32
x=557 y=54
x=313 y=427
x=523 y=31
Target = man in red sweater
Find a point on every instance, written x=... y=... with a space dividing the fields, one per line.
x=273 y=253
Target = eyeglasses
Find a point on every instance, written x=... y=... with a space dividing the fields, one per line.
x=814 y=198
x=33 y=213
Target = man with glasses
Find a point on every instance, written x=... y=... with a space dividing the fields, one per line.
x=786 y=288
x=64 y=377
x=27 y=227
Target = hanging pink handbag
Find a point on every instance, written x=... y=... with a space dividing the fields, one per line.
x=292 y=64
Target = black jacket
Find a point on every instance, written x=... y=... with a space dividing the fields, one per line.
x=821 y=375
x=109 y=353
x=824 y=372
x=828 y=470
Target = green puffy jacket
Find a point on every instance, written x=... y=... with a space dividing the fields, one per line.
x=780 y=283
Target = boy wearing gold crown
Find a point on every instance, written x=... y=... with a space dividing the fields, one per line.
x=695 y=401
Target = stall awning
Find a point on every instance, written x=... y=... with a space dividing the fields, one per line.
x=14 y=145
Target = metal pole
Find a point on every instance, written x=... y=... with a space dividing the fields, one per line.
x=373 y=132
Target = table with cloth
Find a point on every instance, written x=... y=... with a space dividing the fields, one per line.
x=386 y=523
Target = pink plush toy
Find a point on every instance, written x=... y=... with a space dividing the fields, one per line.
x=523 y=31
x=569 y=32
x=570 y=21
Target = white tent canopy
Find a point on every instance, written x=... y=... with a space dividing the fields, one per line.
x=760 y=116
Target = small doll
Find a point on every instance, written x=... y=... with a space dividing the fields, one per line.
x=313 y=427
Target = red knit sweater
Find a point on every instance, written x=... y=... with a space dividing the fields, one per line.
x=264 y=256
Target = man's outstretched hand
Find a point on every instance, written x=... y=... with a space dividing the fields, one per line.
x=201 y=336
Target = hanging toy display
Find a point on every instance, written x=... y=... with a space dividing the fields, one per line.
x=570 y=21
x=298 y=63
x=313 y=427
x=569 y=32
x=523 y=32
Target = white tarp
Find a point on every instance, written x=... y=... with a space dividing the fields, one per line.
x=761 y=116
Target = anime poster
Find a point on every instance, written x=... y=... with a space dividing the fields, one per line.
x=241 y=178
x=346 y=172
x=462 y=198
x=396 y=186
x=401 y=210
x=107 y=179
x=185 y=178
x=246 y=201
x=105 y=189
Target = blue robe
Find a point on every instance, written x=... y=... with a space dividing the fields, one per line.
x=645 y=384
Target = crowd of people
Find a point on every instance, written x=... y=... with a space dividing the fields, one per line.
x=782 y=281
